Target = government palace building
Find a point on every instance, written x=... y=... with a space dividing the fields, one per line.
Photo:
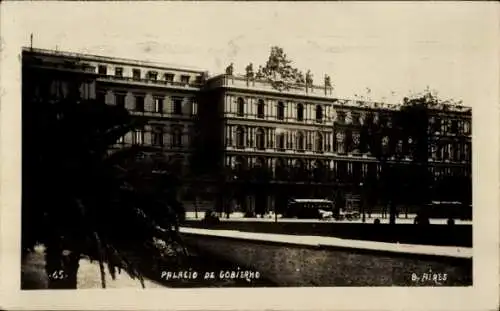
x=245 y=142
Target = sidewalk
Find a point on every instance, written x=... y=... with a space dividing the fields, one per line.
x=450 y=251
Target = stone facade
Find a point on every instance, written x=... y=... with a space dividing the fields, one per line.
x=259 y=144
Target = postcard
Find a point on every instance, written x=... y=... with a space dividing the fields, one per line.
x=250 y=155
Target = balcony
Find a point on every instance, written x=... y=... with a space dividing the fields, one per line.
x=150 y=82
x=161 y=115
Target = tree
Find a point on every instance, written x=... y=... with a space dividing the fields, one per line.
x=79 y=197
x=401 y=141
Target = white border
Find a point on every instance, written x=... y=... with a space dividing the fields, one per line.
x=482 y=296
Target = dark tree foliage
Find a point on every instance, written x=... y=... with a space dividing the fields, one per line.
x=402 y=134
x=79 y=198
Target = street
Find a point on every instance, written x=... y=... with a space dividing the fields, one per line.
x=270 y=218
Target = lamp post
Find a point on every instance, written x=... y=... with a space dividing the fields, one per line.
x=275 y=214
x=362 y=202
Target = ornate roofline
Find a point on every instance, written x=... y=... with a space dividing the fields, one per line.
x=318 y=92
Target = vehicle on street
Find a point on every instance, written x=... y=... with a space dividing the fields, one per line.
x=310 y=208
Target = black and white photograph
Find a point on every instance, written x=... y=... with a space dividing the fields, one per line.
x=223 y=145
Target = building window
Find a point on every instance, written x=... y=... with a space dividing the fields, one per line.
x=281 y=141
x=261 y=143
x=185 y=79
x=467 y=128
x=456 y=152
x=260 y=109
x=177 y=103
x=240 y=137
x=136 y=74
x=241 y=107
x=194 y=108
x=169 y=77
x=340 y=142
x=120 y=140
x=153 y=75
x=120 y=100
x=157 y=136
x=103 y=69
x=139 y=103
x=300 y=141
x=281 y=111
x=319 y=113
x=119 y=72
x=300 y=112
x=446 y=152
x=328 y=143
x=438 y=155
x=454 y=126
x=319 y=142
x=288 y=138
x=229 y=136
x=158 y=105
x=444 y=126
x=138 y=137
x=309 y=145
x=176 y=137
x=437 y=125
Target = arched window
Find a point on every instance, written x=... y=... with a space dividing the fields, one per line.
x=300 y=141
x=261 y=143
x=281 y=141
x=281 y=111
x=260 y=109
x=300 y=112
x=241 y=107
x=240 y=137
x=319 y=113
x=319 y=142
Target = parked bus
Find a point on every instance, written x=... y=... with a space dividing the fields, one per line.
x=310 y=208
x=448 y=209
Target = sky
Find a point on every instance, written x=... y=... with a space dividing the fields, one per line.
x=381 y=51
